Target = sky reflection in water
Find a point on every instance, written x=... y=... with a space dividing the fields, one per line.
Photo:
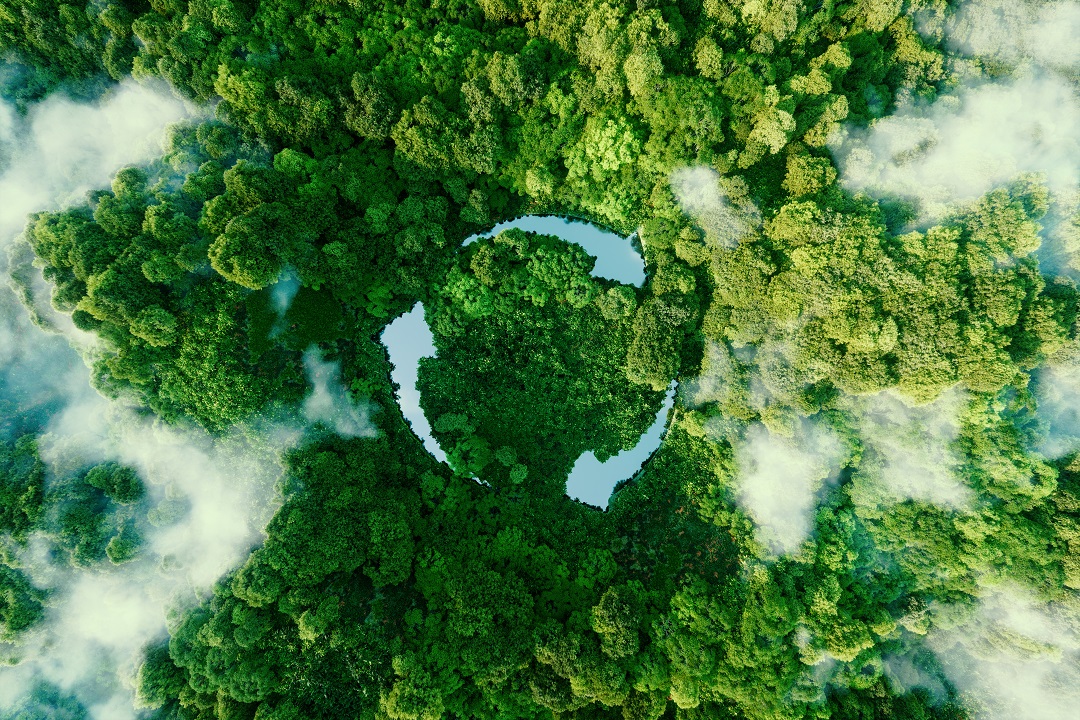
x=408 y=339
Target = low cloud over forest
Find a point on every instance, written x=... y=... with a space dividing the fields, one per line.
x=860 y=226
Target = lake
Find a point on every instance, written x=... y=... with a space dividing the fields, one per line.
x=616 y=258
x=591 y=481
x=408 y=339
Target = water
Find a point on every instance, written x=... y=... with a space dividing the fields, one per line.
x=616 y=258
x=408 y=339
x=592 y=481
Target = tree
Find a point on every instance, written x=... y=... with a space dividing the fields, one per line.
x=529 y=299
x=119 y=482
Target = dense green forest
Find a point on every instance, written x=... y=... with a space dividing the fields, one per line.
x=353 y=145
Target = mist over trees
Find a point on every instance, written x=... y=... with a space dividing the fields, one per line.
x=867 y=502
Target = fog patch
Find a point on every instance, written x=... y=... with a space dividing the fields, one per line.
x=716 y=382
x=908 y=450
x=34 y=294
x=282 y=293
x=1013 y=31
x=49 y=158
x=1059 y=253
x=39 y=372
x=62 y=148
x=207 y=499
x=1057 y=394
x=717 y=207
x=115 y=708
x=1053 y=38
x=905 y=672
x=965 y=144
x=7 y=135
x=1016 y=112
x=210 y=500
x=1012 y=657
x=779 y=479
x=226 y=483
x=330 y=403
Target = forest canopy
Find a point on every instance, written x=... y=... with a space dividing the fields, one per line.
x=867 y=501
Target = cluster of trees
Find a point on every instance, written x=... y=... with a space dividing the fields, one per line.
x=162 y=266
x=375 y=137
x=46 y=699
x=833 y=302
x=357 y=143
x=518 y=315
x=389 y=587
x=86 y=516
x=78 y=46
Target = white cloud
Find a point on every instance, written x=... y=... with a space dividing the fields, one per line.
x=329 y=401
x=701 y=195
x=63 y=148
x=117 y=707
x=1057 y=394
x=909 y=450
x=717 y=380
x=1023 y=118
x=227 y=482
x=100 y=619
x=1013 y=657
x=51 y=158
x=1014 y=31
x=990 y=28
x=37 y=370
x=904 y=673
x=965 y=144
x=1052 y=38
x=283 y=291
x=779 y=479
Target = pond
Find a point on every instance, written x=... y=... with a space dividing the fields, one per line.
x=616 y=258
x=408 y=339
x=592 y=481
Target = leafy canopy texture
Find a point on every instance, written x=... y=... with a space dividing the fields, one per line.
x=893 y=372
x=520 y=316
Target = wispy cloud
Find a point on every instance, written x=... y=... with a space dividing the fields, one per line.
x=223 y=491
x=1017 y=31
x=1012 y=657
x=62 y=149
x=1022 y=118
x=725 y=218
x=330 y=403
x=51 y=158
x=1057 y=394
x=98 y=620
x=909 y=451
x=780 y=478
x=965 y=144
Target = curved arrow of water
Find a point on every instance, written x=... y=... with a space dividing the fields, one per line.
x=408 y=339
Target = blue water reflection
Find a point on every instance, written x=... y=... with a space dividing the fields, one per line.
x=616 y=258
x=408 y=339
x=592 y=481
